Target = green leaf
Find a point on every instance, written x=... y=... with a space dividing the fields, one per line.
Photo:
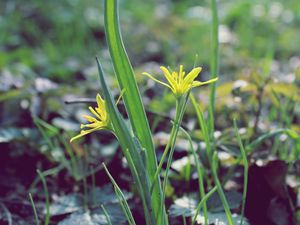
x=132 y=99
x=131 y=151
x=292 y=134
x=126 y=79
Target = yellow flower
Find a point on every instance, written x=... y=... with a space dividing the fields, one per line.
x=99 y=122
x=180 y=83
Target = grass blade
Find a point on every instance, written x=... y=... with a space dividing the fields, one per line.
x=245 y=161
x=214 y=63
x=36 y=218
x=130 y=150
x=126 y=79
x=132 y=98
x=202 y=203
x=106 y=215
x=251 y=147
x=121 y=198
x=47 y=217
x=220 y=189
x=199 y=172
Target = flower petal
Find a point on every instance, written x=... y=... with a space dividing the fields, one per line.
x=169 y=77
x=199 y=83
x=89 y=118
x=84 y=132
x=100 y=102
x=95 y=113
x=190 y=77
x=158 y=81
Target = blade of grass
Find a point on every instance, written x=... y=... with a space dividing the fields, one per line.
x=52 y=171
x=251 y=147
x=36 y=218
x=121 y=197
x=220 y=189
x=180 y=109
x=212 y=156
x=199 y=172
x=202 y=124
x=130 y=150
x=132 y=98
x=47 y=217
x=214 y=63
x=106 y=215
x=245 y=162
x=202 y=202
x=126 y=79
x=145 y=195
x=184 y=220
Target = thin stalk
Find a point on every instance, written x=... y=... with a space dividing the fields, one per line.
x=51 y=171
x=121 y=197
x=74 y=169
x=202 y=124
x=84 y=180
x=148 y=211
x=245 y=162
x=106 y=215
x=131 y=150
x=36 y=218
x=214 y=63
x=180 y=108
x=184 y=220
x=220 y=189
x=47 y=218
x=200 y=174
x=93 y=184
x=259 y=95
x=203 y=202
x=172 y=139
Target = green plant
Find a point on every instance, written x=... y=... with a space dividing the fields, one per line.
x=136 y=144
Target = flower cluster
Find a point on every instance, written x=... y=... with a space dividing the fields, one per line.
x=99 y=122
x=179 y=82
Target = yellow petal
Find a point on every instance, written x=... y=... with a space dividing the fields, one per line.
x=169 y=77
x=181 y=73
x=95 y=113
x=89 y=118
x=100 y=102
x=199 y=83
x=85 y=132
x=158 y=81
x=190 y=77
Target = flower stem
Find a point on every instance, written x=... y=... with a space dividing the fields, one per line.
x=214 y=63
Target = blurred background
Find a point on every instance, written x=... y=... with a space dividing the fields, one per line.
x=47 y=58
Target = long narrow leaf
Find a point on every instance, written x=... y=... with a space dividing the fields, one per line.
x=245 y=162
x=126 y=79
x=132 y=99
x=121 y=197
x=130 y=150
x=251 y=147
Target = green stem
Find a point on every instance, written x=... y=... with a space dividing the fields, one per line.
x=172 y=140
x=203 y=202
x=245 y=161
x=47 y=218
x=121 y=198
x=220 y=189
x=106 y=215
x=143 y=190
x=200 y=174
x=214 y=63
x=36 y=218
x=180 y=108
